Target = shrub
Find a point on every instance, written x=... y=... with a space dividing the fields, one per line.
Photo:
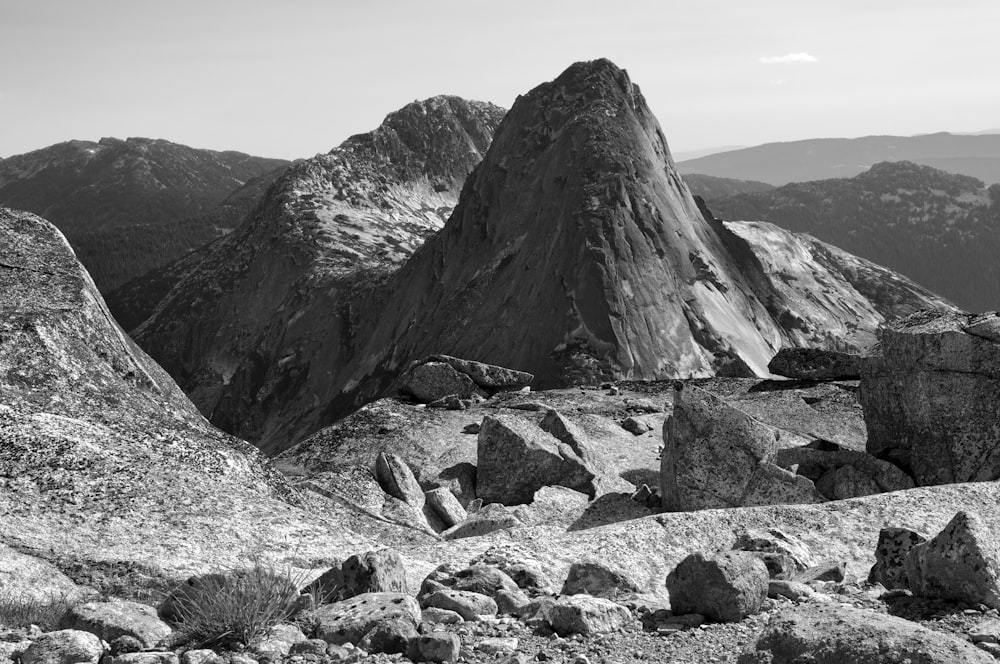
x=234 y=607
x=22 y=611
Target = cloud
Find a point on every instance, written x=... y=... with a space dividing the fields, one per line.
x=789 y=58
x=776 y=81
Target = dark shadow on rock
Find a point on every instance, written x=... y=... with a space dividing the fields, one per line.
x=640 y=476
x=610 y=508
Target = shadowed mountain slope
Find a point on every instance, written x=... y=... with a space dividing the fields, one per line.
x=941 y=230
x=129 y=206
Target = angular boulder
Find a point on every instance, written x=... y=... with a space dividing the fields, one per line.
x=837 y=634
x=115 y=618
x=438 y=647
x=782 y=554
x=815 y=364
x=586 y=615
x=445 y=506
x=489 y=519
x=465 y=603
x=516 y=458
x=715 y=456
x=961 y=563
x=431 y=381
x=597 y=579
x=397 y=480
x=894 y=545
x=348 y=621
x=725 y=587
x=373 y=572
x=66 y=646
x=929 y=393
x=487 y=376
x=840 y=474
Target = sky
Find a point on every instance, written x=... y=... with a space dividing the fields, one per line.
x=294 y=78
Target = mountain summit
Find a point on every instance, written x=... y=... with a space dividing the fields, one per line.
x=575 y=252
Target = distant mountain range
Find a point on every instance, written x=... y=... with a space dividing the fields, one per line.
x=823 y=158
x=712 y=188
x=940 y=229
x=127 y=206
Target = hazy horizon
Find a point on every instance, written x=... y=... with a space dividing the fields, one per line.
x=293 y=80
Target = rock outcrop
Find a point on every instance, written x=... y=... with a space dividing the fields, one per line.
x=929 y=393
x=717 y=456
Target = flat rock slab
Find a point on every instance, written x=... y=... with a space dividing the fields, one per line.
x=828 y=634
x=348 y=621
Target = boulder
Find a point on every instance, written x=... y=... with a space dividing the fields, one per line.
x=497 y=645
x=390 y=636
x=65 y=646
x=717 y=456
x=145 y=657
x=279 y=639
x=793 y=590
x=434 y=615
x=204 y=656
x=894 y=545
x=599 y=580
x=115 y=618
x=489 y=519
x=961 y=563
x=373 y=572
x=826 y=571
x=487 y=376
x=445 y=506
x=726 y=587
x=438 y=647
x=929 y=393
x=781 y=553
x=586 y=615
x=349 y=620
x=431 y=381
x=814 y=364
x=483 y=579
x=636 y=425
x=835 y=634
x=397 y=480
x=516 y=458
x=840 y=474
x=467 y=604
x=511 y=602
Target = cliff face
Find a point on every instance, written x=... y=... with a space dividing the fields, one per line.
x=128 y=206
x=245 y=321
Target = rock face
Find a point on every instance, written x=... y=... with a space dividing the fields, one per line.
x=961 y=563
x=826 y=634
x=128 y=206
x=725 y=587
x=717 y=456
x=290 y=285
x=516 y=459
x=929 y=394
x=578 y=185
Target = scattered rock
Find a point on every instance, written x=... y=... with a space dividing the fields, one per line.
x=309 y=647
x=815 y=364
x=961 y=563
x=373 y=572
x=279 y=639
x=397 y=480
x=390 y=636
x=349 y=620
x=204 y=656
x=472 y=428
x=516 y=458
x=483 y=579
x=841 y=474
x=987 y=632
x=495 y=646
x=467 y=604
x=115 y=618
x=827 y=571
x=597 y=579
x=929 y=393
x=538 y=611
x=586 y=615
x=65 y=646
x=489 y=519
x=433 y=614
x=717 y=456
x=445 y=506
x=792 y=590
x=894 y=545
x=835 y=634
x=125 y=644
x=725 y=587
x=511 y=602
x=636 y=426
x=782 y=554
x=147 y=657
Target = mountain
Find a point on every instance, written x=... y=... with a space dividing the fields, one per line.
x=704 y=152
x=939 y=229
x=575 y=252
x=244 y=316
x=128 y=206
x=822 y=158
x=712 y=188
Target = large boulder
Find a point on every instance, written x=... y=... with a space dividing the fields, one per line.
x=595 y=578
x=929 y=393
x=586 y=615
x=894 y=545
x=397 y=480
x=840 y=474
x=115 y=618
x=430 y=381
x=66 y=646
x=373 y=572
x=445 y=506
x=961 y=563
x=348 y=621
x=715 y=455
x=516 y=458
x=726 y=587
x=814 y=364
x=487 y=376
x=836 y=634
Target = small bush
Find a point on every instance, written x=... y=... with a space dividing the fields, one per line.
x=22 y=611
x=235 y=607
